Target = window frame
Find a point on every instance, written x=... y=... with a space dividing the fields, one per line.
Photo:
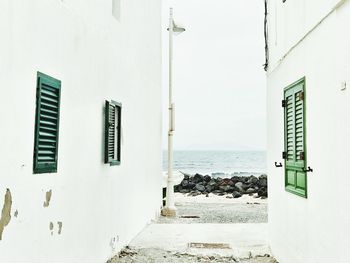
x=116 y=160
x=48 y=167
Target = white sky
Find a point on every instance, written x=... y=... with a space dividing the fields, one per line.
x=219 y=82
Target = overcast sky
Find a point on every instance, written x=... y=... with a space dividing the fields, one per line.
x=219 y=82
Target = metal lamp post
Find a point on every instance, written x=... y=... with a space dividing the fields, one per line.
x=170 y=209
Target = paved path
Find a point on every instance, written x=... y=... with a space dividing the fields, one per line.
x=239 y=225
x=244 y=240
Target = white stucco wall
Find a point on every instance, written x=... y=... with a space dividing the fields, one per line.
x=96 y=57
x=316 y=229
x=290 y=21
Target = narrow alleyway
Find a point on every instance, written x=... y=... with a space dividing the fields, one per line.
x=206 y=229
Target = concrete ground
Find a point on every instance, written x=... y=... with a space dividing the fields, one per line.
x=243 y=240
x=223 y=230
x=162 y=256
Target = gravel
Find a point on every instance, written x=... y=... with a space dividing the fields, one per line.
x=218 y=209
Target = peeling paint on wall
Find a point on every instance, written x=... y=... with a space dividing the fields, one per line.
x=60 y=224
x=6 y=212
x=51 y=228
x=48 y=198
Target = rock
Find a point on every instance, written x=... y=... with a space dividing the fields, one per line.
x=236 y=194
x=197 y=178
x=230 y=197
x=221 y=186
x=253 y=180
x=235 y=179
x=226 y=181
x=191 y=185
x=239 y=186
x=225 y=188
x=207 y=195
x=184 y=183
x=263 y=180
x=206 y=178
x=209 y=188
x=200 y=187
x=231 y=189
x=250 y=191
x=263 y=176
x=212 y=184
x=262 y=192
x=177 y=188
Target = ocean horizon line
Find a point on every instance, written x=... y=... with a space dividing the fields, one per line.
x=176 y=150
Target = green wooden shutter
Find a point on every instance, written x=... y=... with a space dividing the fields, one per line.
x=112 y=132
x=46 y=124
x=295 y=146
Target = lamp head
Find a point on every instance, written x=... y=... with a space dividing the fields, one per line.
x=177 y=29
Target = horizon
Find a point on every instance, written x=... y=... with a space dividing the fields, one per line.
x=191 y=150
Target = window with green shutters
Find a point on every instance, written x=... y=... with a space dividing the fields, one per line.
x=48 y=95
x=113 y=112
x=295 y=141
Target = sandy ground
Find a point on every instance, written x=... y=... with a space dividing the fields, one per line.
x=207 y=211
x=217 y=209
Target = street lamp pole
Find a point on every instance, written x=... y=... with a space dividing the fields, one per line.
x=170 y=209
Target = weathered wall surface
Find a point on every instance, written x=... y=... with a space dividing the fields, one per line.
x=87 y=210
x=316 y=229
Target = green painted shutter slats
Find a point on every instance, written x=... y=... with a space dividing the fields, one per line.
x=47 y=124
x=290 y=127
x=299 y=124
x=295 y=176
x=112 y=132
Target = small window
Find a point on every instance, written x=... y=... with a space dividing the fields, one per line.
x=113 y=112
x=295 y=141
x=48 y=95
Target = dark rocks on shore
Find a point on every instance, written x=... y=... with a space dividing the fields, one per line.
x=236 y=185
x=236 y=194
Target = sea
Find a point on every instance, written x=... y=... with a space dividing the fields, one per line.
x=218 y=163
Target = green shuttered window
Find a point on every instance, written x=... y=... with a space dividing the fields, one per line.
x=113 y=112
x=46 y=124
x=295 y=142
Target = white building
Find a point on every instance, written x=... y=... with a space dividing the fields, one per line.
x=60 y=61
x=309 y=68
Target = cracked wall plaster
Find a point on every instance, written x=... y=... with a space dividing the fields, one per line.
x=60 y=224
x=51 y=228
